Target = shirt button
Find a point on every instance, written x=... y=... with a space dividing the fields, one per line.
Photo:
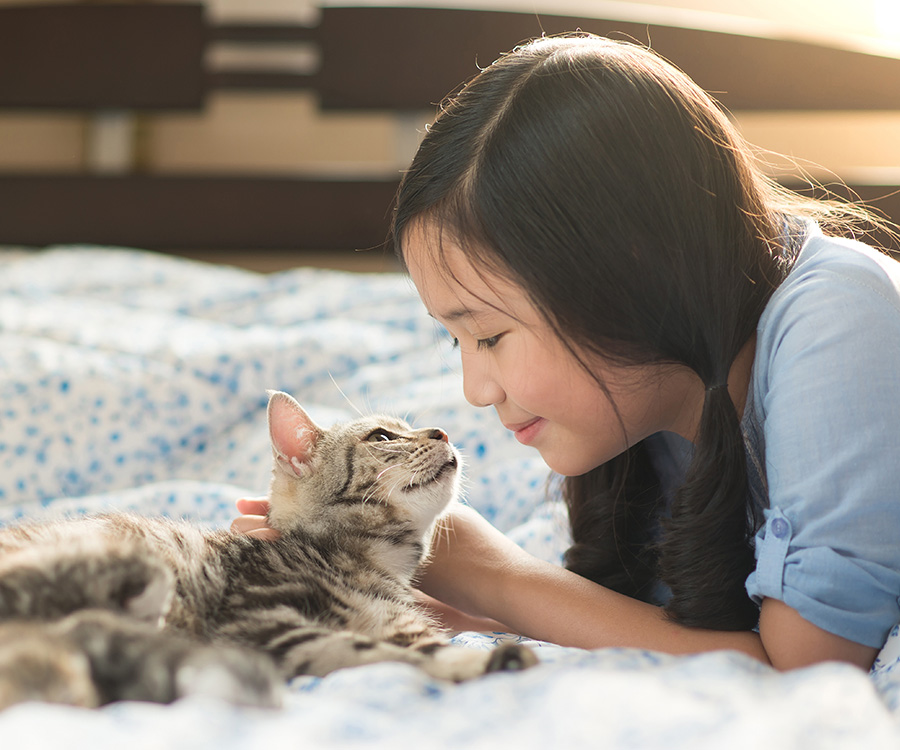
x=780 y=528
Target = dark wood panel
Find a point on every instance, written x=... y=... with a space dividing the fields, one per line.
x=96 y=56
x=258 y=80
x=194 y=212
x=222 y=213
x=262 y=33
x=400 y=58
x=151 y=55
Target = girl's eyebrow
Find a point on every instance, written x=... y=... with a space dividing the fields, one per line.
x=454 y=314
x=478 y=313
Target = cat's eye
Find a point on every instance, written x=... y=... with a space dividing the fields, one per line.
x=379 y=436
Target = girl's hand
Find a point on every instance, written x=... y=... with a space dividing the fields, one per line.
x=467 y=567
x=253 y=520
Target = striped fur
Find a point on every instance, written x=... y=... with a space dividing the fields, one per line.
x=356 y=506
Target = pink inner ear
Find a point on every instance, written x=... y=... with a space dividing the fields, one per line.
x=293 y=433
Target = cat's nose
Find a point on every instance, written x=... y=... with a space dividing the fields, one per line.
x=436 y=434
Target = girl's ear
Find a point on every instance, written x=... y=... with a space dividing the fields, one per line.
x=293 y=433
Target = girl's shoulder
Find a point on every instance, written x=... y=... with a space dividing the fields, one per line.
x=828 y=269
x=835 y=317
x=835 y=284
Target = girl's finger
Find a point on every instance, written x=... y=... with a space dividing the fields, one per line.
x=253 y=506
x=268 y=534
x=248 y=523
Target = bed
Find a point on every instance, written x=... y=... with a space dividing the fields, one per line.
x=134 y=380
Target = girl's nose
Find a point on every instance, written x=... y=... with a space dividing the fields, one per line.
x=480 y=389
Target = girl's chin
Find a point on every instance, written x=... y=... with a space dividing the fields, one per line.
x=567 y=463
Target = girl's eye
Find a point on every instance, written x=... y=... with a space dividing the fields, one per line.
x=488 y=343
x=378 y=436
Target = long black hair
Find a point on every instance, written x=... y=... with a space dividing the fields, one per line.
x=621 y=199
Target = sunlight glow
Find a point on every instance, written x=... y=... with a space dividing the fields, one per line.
x=887 y=18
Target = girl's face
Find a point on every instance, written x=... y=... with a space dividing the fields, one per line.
x=512 y=360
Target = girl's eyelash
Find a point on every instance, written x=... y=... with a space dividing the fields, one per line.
x=488 y=343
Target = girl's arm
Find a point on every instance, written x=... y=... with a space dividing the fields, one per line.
x=478 y=570
x=486 y=579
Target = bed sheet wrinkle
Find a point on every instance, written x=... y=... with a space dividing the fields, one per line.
x=132 y=380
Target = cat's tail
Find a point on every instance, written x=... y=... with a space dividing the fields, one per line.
x=51 y=581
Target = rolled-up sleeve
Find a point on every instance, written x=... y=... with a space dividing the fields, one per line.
x=828 y=383
x=851 y=597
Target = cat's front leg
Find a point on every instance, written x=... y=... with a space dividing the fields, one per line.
x=307 y=649
x=459 y=663
x=418 y=633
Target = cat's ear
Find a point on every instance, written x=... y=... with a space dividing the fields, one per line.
x=293 y=433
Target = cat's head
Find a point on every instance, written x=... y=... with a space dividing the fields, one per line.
x=368 y=473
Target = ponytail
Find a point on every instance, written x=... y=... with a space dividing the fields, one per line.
x=709 y=513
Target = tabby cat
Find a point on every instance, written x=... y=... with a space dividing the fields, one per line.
x=125 y=607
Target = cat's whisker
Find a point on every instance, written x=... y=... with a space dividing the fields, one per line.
x=369 y=495
x=399 y=483
x=404 y=483
x=447 y=531
x=382 y=473
x=346 y=397
x=390 y=490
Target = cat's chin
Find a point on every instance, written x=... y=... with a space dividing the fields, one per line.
x=450 y=467
x=434 y=500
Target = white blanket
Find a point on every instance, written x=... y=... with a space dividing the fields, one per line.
x=131 y=380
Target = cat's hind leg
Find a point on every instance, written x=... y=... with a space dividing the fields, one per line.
x=131 y=660
x=37 y=665
x=50 y=581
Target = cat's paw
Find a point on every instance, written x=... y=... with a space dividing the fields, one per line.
x=459 y=663
x=234 y=675
x=511 y=657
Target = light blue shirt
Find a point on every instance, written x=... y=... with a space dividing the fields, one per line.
x=822 y=423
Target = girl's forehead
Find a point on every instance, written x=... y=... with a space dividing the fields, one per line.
x=450 y=284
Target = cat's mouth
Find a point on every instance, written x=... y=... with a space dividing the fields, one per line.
x=448 y=467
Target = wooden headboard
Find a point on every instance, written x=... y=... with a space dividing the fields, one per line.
x=151 y=57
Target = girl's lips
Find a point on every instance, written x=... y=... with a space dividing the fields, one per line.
x=525 y=432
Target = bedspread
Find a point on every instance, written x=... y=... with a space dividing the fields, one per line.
x=131 y=380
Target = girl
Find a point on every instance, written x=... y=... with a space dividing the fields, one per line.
x=717 y=380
